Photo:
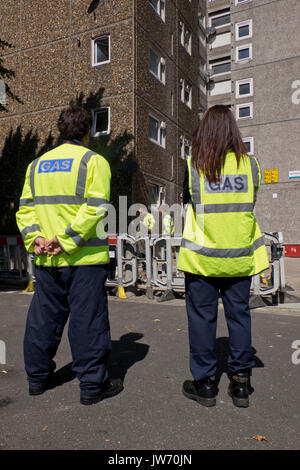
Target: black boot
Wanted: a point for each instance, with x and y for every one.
(238, 389)
(204, 391)
(110, 388)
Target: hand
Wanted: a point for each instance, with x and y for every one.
(39, 246)
(53, 247)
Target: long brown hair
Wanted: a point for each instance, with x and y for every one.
(216, 134)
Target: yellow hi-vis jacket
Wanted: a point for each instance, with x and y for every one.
(221, 237)
(167, 225)
(149, 221)
(62, 196)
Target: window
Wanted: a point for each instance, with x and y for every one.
(222, 65)
(159, 7)
(101, 125)
(244, 111)
(156, 194)
(157, 131)
(185, 90)
(157, 65)
(221, 18)
(240, 2)
(185, 37)
(244, 53)
(243, 30)
(101, 50)
(185, 147)
(244, 88)
(249, 142)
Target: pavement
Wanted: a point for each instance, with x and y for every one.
(150, 353)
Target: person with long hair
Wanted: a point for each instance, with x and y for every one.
(222, 248)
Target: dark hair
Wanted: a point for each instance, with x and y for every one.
(74, 122)
(216, 134)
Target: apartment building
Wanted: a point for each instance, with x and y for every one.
(135, 63)
(253, 50)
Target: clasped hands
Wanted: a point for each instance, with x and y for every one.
(44, 247)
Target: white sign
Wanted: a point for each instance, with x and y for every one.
(294, 174)
(2, 352)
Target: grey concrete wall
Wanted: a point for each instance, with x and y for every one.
(275, 125)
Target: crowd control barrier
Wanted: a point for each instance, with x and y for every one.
(159, 259)
(272, 281)
(149, 263)
(13, 259)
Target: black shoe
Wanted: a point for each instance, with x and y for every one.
(38, 389)
(110, 388)
(203, 391)
(238, 389)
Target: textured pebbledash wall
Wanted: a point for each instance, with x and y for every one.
(52, 60)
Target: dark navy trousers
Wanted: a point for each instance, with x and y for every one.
(76, 293)
(202, 295)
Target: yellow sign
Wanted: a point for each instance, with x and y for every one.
(271, 176)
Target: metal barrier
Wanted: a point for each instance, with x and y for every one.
(149, 262)
(13, 259)
(126, 260)
(274, 277)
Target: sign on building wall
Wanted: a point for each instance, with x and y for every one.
(294, 174)
(271, 176)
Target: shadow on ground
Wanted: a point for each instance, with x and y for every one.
(125, 353)
(222, 354)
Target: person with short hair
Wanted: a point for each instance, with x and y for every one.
(222, 248)
(59, 217)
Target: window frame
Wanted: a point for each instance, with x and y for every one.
(251, 142)
(237, 2)
(219, 16)
(183, 85)
(244, 105)
(184, 142)
(183, 29)
(94, 40)
(227, 61)
(242, 82)
(244, 46)
(161, 134)
(241, 24)
(101, 134)
(163, 79)
(158, 12)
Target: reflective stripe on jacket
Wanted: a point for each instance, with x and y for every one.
(62, 196)
(221, 235)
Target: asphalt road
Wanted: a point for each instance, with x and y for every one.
(150, 351)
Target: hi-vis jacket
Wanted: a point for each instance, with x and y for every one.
(167, 225)
(221, 236)
(61, 196)
(149, 221)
